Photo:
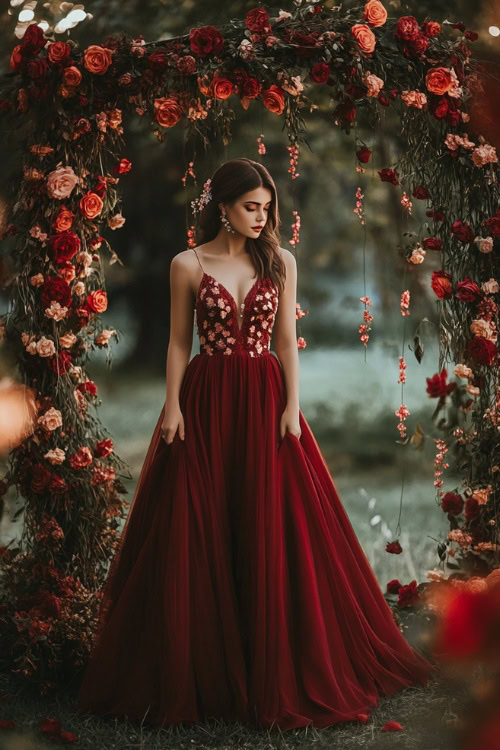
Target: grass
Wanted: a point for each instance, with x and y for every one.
(426, 714)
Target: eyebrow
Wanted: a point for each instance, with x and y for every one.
(257, 202)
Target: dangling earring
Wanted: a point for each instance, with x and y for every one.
(225, 221)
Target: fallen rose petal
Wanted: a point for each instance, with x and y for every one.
(7, 724)
(391, 726)
(67, 736)
(50, 726)
(362, 717)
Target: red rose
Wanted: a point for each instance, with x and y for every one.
(437, 385)
(90, 205)
(222, 88)
(420, 192)
(346, 112)
(57, 485)
(37, 68)
(408, 595)
(59, 364)
(304, 44)
(462, 231)
(393, 586)
(471, 508)
(320, 72)
(441, 284)
(394, 548)
(55, 289)
(207, 40)
(452, 503)
(431, 28)
(82, 315)
(168, 111)
(58, 53)
(123, 166)
(63, 219)
(257, 20)
(468, 290)
(407, 28)
(363, 154)
(440, 107)
(389, 175)
(39, 478)
(157, 60)
(103, 448)
(432, 243)
(186, 65)
(33, 40)
(383, 100)
(251, 88)
(416, 46)
(481, 350)
(274, 99)
(437, 215)
(97, 301)
(88, 387)
(471, 36)
(493, 224)
(63, 245)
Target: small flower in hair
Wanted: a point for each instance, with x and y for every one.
(198, 204)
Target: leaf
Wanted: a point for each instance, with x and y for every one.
(418, 437)
(419, 348)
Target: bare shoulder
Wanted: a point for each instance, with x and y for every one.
(183, 260)
(288, 258)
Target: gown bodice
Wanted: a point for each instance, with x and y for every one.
(221, 330)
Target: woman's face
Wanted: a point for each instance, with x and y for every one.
(250, 211)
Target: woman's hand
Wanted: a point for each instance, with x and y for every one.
(173, 420)
(290, 422)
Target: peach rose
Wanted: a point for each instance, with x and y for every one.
(104, 336)
(63, 219)
(374, 13)
(491, 286)
(45, 347)
(56, 311)
(67, 340)
(91, 205)
(37, 279)
(116, 221)
(463, 371)
(482, 494)
(51, 419)
(55, 456)
(61, 181)
(97, 59)
(41, 150)
(168, 111)
(72, 76)
(67, 272)
(80, 459)
(485, 244)
(439, 80)
(114, 117)
(222, 87)
(97, 301)
(274, 99)
(364, 36)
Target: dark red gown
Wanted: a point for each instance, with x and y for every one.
(240, 590)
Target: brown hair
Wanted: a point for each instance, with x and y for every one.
(231, 180)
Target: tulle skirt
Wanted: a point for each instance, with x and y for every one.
(240, 590)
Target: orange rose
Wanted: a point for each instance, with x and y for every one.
(72, 76)
(222, 87)
(274, 99)
(374, 13)
(58, 52)
(63, 219)
(438, 80)
(91, 205)
(364, 36)
(168, 111)
(97, 301)
(97, 59)
(16, 58)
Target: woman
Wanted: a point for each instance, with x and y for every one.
(240, 590)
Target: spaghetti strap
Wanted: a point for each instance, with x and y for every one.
(198, 259)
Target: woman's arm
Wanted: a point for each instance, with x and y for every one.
(181, 328)
(285, 334)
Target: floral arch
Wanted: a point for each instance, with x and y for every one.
(67, 105)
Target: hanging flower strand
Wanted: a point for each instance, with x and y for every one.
(402, 370)
(438, 462)
(295, 229)
(405, 302)
(261, 145)
(406, 203)
(359, 206)
(294, 160)
(191, 231)
(367, 317)
(402, 413)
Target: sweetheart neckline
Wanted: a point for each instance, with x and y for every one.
(233, 301)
